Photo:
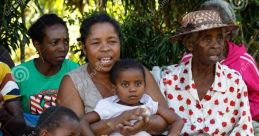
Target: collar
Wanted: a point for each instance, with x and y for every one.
(219, 84)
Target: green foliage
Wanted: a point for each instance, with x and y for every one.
(146, 24)
(13, 33)
(143, 42)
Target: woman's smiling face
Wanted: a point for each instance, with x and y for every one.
(102, 46)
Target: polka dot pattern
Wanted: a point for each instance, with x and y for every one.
(222, 111)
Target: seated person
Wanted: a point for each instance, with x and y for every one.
(39, 78)
(11, 115)
(235, 56)
(128, 78)
(210, 97)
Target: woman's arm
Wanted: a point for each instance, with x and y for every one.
(176, 123)
(69, 97)
(11, 117)
(156, 124)
(108, 126)
(92, 117)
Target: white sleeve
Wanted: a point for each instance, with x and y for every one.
(103, 109)
(150, 103)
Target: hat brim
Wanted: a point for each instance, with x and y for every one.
(179, 36)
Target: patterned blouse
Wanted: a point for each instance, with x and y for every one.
(224, 110)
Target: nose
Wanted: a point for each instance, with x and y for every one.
(63, 47)
(216, 43)
(132, 88)
(105, 47)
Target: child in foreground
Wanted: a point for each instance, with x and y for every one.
(58, 121)
(128, 78)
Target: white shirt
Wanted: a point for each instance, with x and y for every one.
(224, 110)
(109, 108)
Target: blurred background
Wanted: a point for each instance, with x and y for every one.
(146, 24)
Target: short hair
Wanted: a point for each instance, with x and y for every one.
(36, 31)
(225, 10)
(125, 64)
(98, 18)
(51, 117)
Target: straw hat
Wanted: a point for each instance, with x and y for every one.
(199, 21)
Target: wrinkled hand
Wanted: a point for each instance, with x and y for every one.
(126, 127)
(133, 129)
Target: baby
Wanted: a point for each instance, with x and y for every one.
(128, 78)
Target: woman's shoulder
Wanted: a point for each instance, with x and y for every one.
(232, 76)
(28, 63)
(78, 70)
(162, 72)
(25, 66)
(229, 71)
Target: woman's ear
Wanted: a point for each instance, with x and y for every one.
(36, 44)
(83, 48)
(188, 45)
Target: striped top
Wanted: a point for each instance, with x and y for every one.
(8, 87)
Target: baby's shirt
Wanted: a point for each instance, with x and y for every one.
(109, 108)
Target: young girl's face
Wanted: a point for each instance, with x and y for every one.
(68, 127)
(130, 86)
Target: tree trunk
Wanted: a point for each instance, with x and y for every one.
(22, 44)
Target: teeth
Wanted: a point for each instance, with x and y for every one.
(105, 60)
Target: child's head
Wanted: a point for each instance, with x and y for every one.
(58, 121)
(128, 76)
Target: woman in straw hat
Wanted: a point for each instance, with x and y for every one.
(236, 56)
(211, 98)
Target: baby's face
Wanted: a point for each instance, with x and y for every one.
(68, 127)
(130, 86)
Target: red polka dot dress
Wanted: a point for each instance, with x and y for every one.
(224, 110)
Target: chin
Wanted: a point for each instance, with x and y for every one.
(58, 63)
(105, 69)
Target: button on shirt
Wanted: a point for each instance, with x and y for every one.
(224, 110)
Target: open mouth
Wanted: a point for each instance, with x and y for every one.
(105, 61)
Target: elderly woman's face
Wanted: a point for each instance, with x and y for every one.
(55, 45)
(209, 47)
(102, 46)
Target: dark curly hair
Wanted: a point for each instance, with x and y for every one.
(36, 31)
(125, 64)
(98, 18)
(51, 117)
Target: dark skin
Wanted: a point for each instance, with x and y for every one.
(11, 117)
(131, 83)
(52, 52)
(102, 48)
(207, 50)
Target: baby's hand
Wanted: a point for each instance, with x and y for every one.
(147, 111)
